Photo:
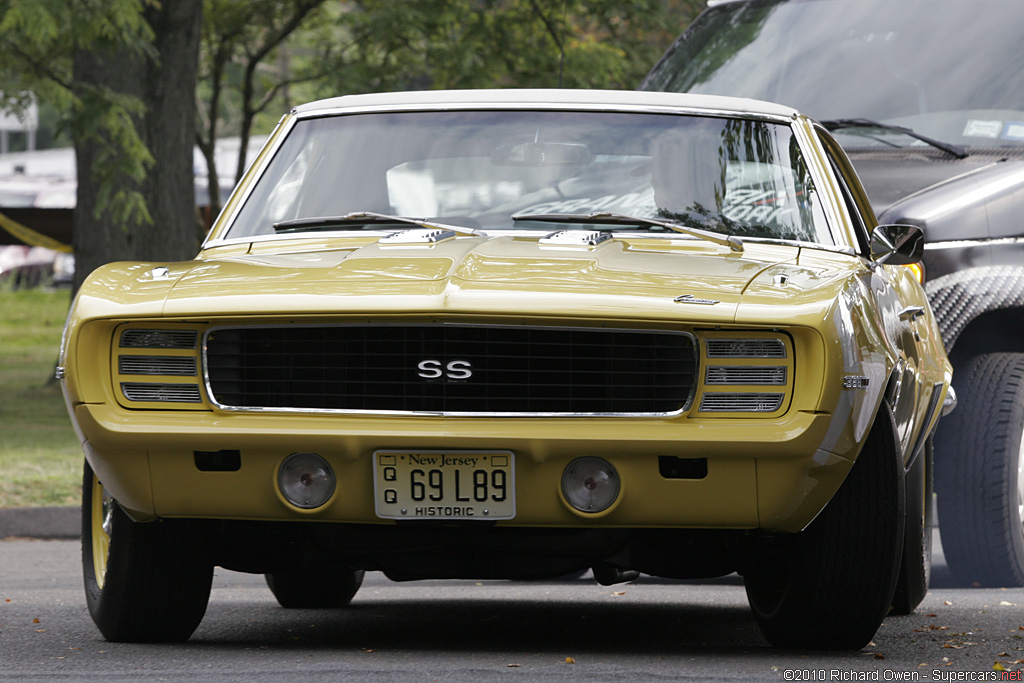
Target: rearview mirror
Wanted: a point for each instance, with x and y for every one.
(541, 154)
(897, 245)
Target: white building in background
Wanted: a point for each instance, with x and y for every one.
(26, 121)
(46, 179)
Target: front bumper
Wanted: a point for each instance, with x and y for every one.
(761, 474)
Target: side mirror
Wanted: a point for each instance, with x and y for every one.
(897, 245)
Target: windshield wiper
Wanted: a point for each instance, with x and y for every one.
(837, 124)
(360, 218)
(607, 218)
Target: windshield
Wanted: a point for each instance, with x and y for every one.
(478, 169)
(949, 69)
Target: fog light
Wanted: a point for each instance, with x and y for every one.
(590, 484)
(306, 480)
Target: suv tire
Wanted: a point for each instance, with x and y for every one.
(978, 473)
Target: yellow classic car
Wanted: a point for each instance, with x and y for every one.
(518, 334)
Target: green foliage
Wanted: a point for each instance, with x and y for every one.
(39, 41)
(381, 45)
(413, 44)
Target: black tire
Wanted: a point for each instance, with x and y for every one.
(835, 587)
(315, 588)
(144, 583)
(916, 568)
(978, 473)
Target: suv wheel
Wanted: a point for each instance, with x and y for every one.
(979, 473)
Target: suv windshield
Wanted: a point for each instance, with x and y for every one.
(947, 69)
(480, 169)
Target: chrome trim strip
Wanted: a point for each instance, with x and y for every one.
(922, 437)
(834, 248)
(176, 366)
(726, 347)
(331, 411)
(826, 184)
(745, 375)
(538, 105)
(740, 402)
(963, 244)
(143, 392)
(163, 338)
(370, 235)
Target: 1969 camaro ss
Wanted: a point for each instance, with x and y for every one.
(518, 334)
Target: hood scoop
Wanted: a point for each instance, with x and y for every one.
(576, 238)
(417, 236)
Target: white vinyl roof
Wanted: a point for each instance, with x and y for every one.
(613, 99)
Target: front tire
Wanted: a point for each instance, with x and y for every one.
(144, 583)
(979, 473)
(833, 589)
(916, 568)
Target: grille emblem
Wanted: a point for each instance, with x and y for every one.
(434, 369)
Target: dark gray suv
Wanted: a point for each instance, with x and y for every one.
(927, 98)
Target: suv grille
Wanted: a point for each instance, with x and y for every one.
(451, 368)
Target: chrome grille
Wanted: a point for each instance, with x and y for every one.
(181, 366)
(451, 369)
(158, 339)
(745, 374)
(741, 403)
(745, 348)
(161, 393)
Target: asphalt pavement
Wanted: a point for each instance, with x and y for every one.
(46, 522)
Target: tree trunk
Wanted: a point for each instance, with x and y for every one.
(166, 86)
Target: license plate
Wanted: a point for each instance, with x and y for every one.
(444, 484)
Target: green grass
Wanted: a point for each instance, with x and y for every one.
(40, 458)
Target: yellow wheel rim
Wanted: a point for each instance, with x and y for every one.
(102, 509)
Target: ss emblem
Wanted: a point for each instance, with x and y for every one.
(456, 369)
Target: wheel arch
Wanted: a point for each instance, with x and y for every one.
(992, 331)
(976, 308)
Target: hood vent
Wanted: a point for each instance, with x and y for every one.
(418, 236)
(576, 238)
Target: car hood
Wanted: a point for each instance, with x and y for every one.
(949, 198)
(499, 276)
